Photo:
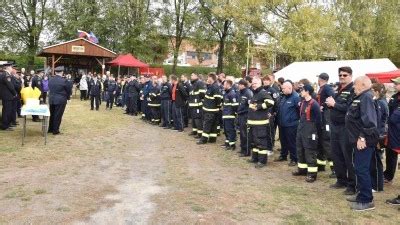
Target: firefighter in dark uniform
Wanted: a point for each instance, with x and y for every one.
(8, 95)
(308, 135)
(245, 95)
(324, 150)
(363, 136)
(111, 91)
(211, 110)
(341, 149)
(95, 92)
(273, 91)
(393, 136)
(17, 87)
(229, 109)
(155, 102)
(132, 94)
(60, 91)
(165, 97)
(258, 121)
(196, 97)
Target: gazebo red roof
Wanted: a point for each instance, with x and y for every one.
(385, 77)
(127, 60)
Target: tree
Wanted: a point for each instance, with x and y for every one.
(23, 23)
(177, 22)
(216, 13)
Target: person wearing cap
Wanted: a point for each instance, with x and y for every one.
(36, 83)
(308, 135)
(393, 133)
(342, 153)
(110, 92)
(245, 95)
(8, 95)
(363, 136)
(59, 93)
(17, 100)
(95, 92)
(132, 95)
(324, 151)
(179, 96)
(393, 138)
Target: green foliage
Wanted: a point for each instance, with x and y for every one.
(21, 60)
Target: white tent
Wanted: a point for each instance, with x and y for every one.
(310, 70)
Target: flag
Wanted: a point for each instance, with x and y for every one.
(89, 36)
(93, 38)
(82, 34)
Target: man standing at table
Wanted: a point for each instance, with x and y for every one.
(60, 92)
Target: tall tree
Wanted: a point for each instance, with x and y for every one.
(177, 21)
(216, 14)
(23, 23)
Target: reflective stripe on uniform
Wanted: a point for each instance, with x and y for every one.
(205, 135)
(257, 122)
(213, 135)
(320, 162)
(330, 163)
(270, 101)
(210, 110)
(255, 150)
(218, 96)
(209, 97)
(312, 169)
(194, 129)
(228, 117)
(232, 143)
(265, 152)
(154, 105)
(302, 165)
(199, 131)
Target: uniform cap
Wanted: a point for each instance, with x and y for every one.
(59, 69)
(324, 76)
(243, 82)
(396, 80)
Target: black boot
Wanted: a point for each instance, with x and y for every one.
(193, 133)
(202, 141)
(311, 177)
(212, 140)
(300, 172)
(321, 168)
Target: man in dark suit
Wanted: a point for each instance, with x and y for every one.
(7, 94)
(95, 92)
(60, 92)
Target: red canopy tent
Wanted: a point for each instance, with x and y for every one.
(385, 77)
(127, 60)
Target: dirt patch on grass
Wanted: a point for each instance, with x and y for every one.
(109, 168)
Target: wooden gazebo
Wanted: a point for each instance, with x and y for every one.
(79, 53)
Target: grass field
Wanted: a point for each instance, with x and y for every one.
(108, 168)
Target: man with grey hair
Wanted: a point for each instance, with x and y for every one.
(363, 136)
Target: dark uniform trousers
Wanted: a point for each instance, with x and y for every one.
(94, 100)
(210, 124)
(14, 111)
(362, 165)
(166, 113)
(376, 170)
(287, 136)
(197, 121)
(324, 149)
(391, 164)
(155, 113)
(342, 156)
(177, 115)
(261, 142)
(230, 132)
(56, 113)
(110, 100)
(307, 148)
(7, 113)
(132, 104)
(244, 135)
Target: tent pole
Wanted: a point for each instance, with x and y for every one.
(128, 71)
(118, 69)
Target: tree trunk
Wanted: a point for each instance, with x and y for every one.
(175, 61)
(221, 50)
(31, 53)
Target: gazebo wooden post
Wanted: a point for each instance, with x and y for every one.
(103, 66)
(53, 58)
